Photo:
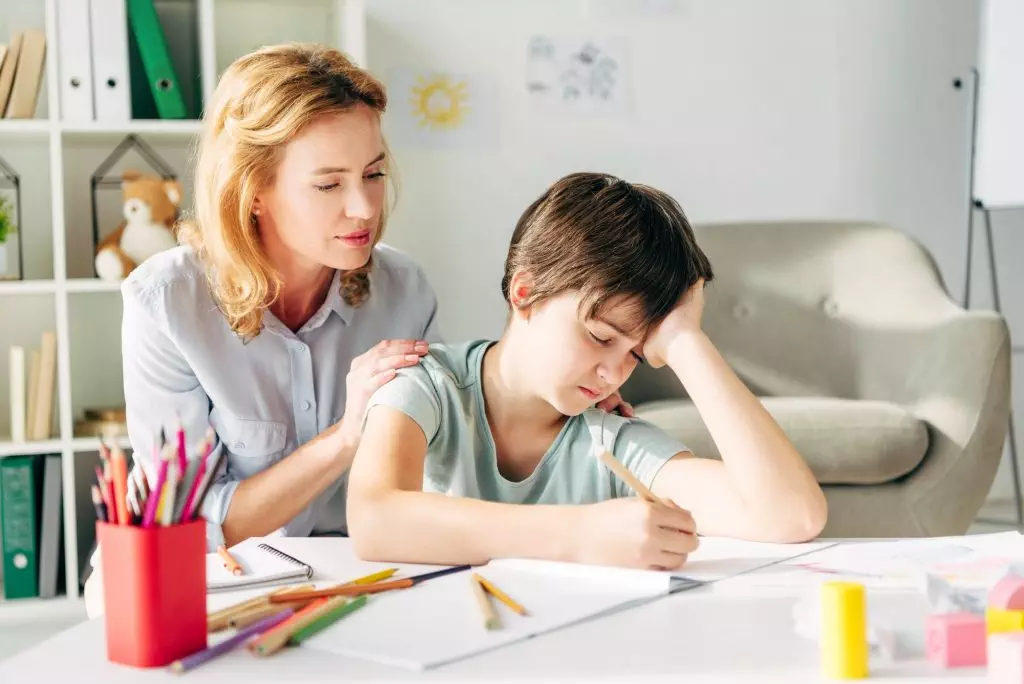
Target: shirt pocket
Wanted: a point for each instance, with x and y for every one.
(253, 445)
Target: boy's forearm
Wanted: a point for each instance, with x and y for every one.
(423, 527)
(764, 467)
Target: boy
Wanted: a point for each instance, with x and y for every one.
(601, 275)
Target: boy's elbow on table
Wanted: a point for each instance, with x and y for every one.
(806, 518)
(368, 528)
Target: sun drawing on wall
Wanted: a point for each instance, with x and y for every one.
(439, 102)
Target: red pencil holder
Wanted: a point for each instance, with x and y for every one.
(154, 591)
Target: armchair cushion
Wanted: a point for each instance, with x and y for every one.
(844, 441)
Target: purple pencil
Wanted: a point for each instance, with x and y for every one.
(197, 659)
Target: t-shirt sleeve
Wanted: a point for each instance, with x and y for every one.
(413, 393)
(643, 449)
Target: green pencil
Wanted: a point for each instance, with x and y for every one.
(327, 619)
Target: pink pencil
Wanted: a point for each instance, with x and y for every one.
(182, 455)
(188, 514)
(154, 497)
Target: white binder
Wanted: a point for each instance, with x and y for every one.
(111, 83)
(75, 65)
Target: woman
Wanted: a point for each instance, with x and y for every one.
(280, 291)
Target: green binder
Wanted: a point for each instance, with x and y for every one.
(20, 482)
(156, 60)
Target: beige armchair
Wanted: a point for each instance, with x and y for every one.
(896, 396)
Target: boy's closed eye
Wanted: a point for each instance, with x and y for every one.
(604, 339)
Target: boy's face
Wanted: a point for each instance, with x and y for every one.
(574, 362)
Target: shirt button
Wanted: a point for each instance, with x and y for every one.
(239, 445)
(306, 405)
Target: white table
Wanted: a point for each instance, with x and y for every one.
(701, 635)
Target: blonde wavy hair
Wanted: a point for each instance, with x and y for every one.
(262, 102)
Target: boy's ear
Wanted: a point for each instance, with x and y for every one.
(520, 289)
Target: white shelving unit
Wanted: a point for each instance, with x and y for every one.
(58, 292)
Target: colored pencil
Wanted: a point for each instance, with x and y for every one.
(220, 619)
(491, 620)
(119, 474)
(273, 641)
(189, 512)
(108, 504)
(374, 577)
(230, 564)
(257, 613)
(204, 487)
(416, 579)
(97, 502)
(499, 594)
(182, 455)
(346, 590)
(327, 619)
(113, 512)
(165, 512)
(197, 659)
(631, 481)
(154, 496)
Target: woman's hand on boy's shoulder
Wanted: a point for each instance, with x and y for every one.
(682, 320)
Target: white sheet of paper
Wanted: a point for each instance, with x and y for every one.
(579, 75)
(439, 109)
(438, 622)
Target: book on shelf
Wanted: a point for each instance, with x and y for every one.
(31, 403)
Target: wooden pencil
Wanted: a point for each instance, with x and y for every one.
(623, 474)
(499, 594)
(230, 564)
(491, 620)
(347, 590)
(220, 619)
(197, 659)
(274, 640)
(327, 619)
(255, 614)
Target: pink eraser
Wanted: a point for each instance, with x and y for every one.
(1007, 594)
(956, 639)
(1006, 658)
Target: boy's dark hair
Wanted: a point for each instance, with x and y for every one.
(608, 240)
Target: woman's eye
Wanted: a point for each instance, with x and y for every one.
(326, 188)
(376, 174)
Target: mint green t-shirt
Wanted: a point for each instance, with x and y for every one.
(444, 395)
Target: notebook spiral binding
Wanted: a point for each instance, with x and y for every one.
(291, 559)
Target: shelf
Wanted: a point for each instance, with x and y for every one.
(162, 127)
(92, 285)
(93, 443)
(46, 446)
(27, 286)
(15, 612)
(25, 126)
(51, 286)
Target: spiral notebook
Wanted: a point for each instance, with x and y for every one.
(264, 566)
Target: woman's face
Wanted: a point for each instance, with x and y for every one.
(324, 204)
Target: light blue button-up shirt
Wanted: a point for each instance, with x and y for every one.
(266, 397)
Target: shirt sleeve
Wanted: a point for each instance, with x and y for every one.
(643, 449)
(412, 392)
(160, 388)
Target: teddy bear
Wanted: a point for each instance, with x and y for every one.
(150, 212)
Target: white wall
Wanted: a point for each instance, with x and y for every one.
(743, 109)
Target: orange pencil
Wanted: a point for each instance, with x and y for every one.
(230, 564)
(345, 590)
(499, 594)
(119, 473)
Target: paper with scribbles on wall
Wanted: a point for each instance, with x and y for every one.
(579, 75)
(435, 108)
